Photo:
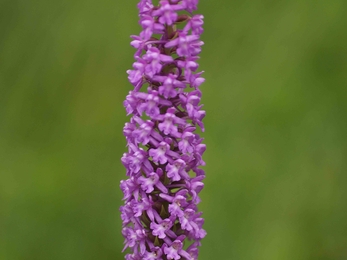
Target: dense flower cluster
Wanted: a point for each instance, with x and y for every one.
(160, 215)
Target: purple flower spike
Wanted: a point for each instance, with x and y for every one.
(160, 215)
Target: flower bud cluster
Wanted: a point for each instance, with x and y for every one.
(160, 215)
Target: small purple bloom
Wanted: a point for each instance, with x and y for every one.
(169, 85)
(186, 142)
(187, 45)
(147, 184)
(172, 252)
(151, 105)
(190, 5)
(176, 171)
(159, 154)
(160, 229)
(155, 254)
(175, 208)
(155, 61)
(164, 158)
(143, 133)
(140, 206)
(127, 213)
(169, 122)
(166, 13)
(195, 24)
(150, 27)
(130, 103)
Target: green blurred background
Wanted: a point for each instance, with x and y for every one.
(275, 97)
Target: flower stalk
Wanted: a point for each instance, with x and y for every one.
(160, 216)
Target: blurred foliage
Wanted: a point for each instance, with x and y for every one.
(276, 125)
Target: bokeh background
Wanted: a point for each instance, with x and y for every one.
(276, 102)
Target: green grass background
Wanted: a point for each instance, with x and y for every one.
(276, 102)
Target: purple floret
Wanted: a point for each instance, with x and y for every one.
(161, 220)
